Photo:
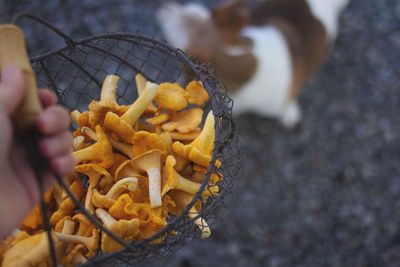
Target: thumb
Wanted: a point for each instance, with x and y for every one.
(12, 89)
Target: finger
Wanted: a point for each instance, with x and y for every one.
(62, 165)
(56, 145)
(47, 98)
(53, 120)
(12, 89)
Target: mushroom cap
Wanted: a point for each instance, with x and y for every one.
(128, 230)
(144, 141)
(184, 121)
(125, 169)
(113, 123)
(30, 251)
(185, 136)
(85, 226)
(147, 160)
(158, 119)
(101, 201)
(93, 171)
(196, 94)
(119, 210)
(118, 160)
(171, 96)
(100, 152)
(200, 150)
(69, 257)
(33, 220)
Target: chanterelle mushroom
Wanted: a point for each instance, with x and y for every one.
(196, 93)
(142, 102)
(173, 180)
(150, 162)
(30, 251)
(98, 109)
(182, 199)
(113, 123)
(171, 96)
(91, 243)
(128, 230)
(200, 150)
(100, 152)
(94, 172)
(106, 201)
(184, 121)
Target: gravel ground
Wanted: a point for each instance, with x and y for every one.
(325, 194)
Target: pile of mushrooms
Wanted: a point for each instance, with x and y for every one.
(136, 166)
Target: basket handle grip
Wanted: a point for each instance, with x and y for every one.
(13, 52)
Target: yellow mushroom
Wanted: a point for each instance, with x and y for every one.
(100, 152)
(107, 200)
(124, 148)
(113, 123)
(85, 226)
(173, 180)
(61, 223)
(33, 220)
(118, 160)
(79, 143)
(177, 136)
(30, 251)
(94, 173)
(132, 115)
(158, 119)
(150, 162)
(75, 256)
(67, 207)
(200, 150)
(141, 86)
(196, 94)
(107, 102)
(127, 230)
(166, 138)
(119, 210)
(184, 121)
(171, 96)
(125, 169)
(91, 243)
(144, 141)
(81, 119)
(182, 199)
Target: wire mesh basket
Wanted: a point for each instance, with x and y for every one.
(75, 71)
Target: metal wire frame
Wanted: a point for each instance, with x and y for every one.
(74, 72)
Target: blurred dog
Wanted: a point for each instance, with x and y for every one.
(264, 56)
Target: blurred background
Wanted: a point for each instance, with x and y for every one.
(324, 194)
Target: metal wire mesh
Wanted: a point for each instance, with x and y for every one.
(75, 72)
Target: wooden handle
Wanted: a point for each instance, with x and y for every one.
(13, 52)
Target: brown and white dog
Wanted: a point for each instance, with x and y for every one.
(265, 56)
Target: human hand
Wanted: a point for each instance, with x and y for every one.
(18, 189)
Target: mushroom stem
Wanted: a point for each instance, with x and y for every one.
(154, 175)
(200, 222)
(129, 183)
(121, 147)
(87, 241)
(109, 90)
(79, 259)
(141, 103)
(75, 115)
(87, 153)
(105, 217)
